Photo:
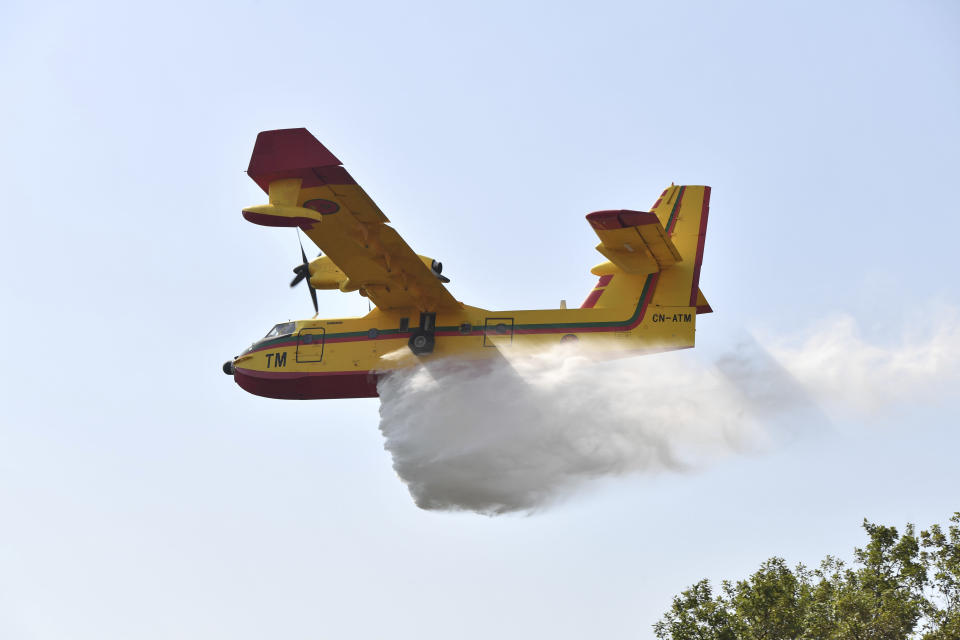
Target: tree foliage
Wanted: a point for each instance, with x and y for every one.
(899, 586)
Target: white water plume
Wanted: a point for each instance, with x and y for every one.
(845, 371)
(520, 433)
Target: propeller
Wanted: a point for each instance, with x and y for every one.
(437, 267)
(302, 272)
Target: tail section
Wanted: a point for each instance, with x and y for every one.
(684, 211)
(663, 247)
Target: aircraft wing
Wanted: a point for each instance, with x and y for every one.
(309, 188)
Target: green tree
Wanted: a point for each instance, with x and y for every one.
(942, 556)
(696, 615)
(900, 586)
(770, 605)
(820, 616)
(883, 598)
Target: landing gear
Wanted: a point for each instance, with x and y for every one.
(422, 338)
(421, 342)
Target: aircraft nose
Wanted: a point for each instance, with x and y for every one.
(228, 367)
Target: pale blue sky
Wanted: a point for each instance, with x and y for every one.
(143, 494)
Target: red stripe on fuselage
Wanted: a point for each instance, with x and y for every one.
(594, 296)
(592, 299)
(562, 328)
(675, 211)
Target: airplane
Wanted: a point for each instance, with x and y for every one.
(646, 300)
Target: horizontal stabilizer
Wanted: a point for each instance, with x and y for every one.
(635, 241)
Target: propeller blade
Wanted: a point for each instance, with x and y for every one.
(313, 296)
(303, 272)
(299, 270)
(303, 253)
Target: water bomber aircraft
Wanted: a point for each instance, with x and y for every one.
(646, 300)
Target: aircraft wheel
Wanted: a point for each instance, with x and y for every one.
(421, 342)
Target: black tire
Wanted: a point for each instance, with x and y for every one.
(421, 342)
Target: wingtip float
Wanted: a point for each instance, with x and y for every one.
(647, 297)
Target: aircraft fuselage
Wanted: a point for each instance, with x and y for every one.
(342, 358)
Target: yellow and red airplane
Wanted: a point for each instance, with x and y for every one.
(647, 297)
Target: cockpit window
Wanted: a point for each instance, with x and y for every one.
(282, 329)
